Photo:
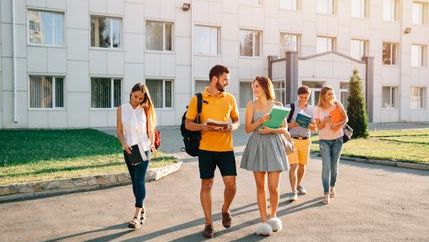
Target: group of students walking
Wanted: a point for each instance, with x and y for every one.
(264, 154)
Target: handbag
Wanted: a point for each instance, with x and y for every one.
(135, 157)
(289, 148)
(348, 132)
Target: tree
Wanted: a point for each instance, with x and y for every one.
(356, 110)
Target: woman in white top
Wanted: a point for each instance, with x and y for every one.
(136, 123)
(330, 118)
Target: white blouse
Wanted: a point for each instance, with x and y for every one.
(134, 126)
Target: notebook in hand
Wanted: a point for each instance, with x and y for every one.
(303, 120)
(336, 115)
(217, 123)
(135, 157)
(277, 116)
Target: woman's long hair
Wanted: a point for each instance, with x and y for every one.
(323, 92)
(267, 86)
(147, 103)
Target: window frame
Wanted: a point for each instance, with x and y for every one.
(219, 41)
(365, 9)
(333, 43)
(365, 47)
(297, 4)
(334, 8)
(344, 90)
(254, 31)
(395, 11)
(249, 83)
(54, 95)
(422, 98)
(424, 13)
(298, 42)
(392, 97)
(121, 43)
(395, 59)
(163, 92)
(29, 43)
(163, 36)
(112, 92)
(422, 57)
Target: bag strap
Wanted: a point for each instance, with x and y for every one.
(292, 110)
(199, 106)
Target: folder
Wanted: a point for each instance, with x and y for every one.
(336, 115)
(277, 116)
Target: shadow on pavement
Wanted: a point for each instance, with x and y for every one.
(104, 238)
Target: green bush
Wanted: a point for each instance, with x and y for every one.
(356, 111)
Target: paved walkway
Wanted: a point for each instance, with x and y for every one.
(374, 203)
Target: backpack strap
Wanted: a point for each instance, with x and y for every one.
(292, 110)
(199, 106)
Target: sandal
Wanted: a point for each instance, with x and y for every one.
(326, 199)
(135, 223)
(143, 216)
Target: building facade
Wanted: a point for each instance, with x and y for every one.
(69, 63)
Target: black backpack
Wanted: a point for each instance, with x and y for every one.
(191, 139)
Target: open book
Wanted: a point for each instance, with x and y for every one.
(303, 120)
(217, 123)
(277, 116)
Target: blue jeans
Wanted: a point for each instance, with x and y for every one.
(331, 152)
(138, 176)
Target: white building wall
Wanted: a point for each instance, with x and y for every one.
(77, 61)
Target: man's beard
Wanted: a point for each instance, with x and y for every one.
(219, 87)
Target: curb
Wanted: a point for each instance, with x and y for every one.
(34, 190)
(384, 162)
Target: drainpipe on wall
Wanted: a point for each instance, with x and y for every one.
(192, 51)
(14, 62)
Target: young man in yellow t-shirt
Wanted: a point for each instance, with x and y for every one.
(216, 147)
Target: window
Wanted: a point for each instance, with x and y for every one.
(105, 32)
(206, 40)
(325, 44)
(389, 53)
(390, 10)
(200, 85)
(418, 55)
(389, 97)
(246, 93)
(316, 88)
(418, 97)
(344, 94)
(289, 4)
(359, 8)
(250, 43)
(159, 36)
(288, 42)
(419, 13)
(258, 2)
(280, 91)
(105, 92)
(325, 6)
(161, 92)
(46, 92)
(358, 48)
(46, 28)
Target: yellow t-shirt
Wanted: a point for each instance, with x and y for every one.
(222, 108)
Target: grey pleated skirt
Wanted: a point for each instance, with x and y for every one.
(264, 152)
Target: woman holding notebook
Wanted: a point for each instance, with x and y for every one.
(330, 118)
(136, 121)
(264, 154)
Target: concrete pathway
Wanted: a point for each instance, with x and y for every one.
(374, 203)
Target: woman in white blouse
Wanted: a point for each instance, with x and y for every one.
(136, 121)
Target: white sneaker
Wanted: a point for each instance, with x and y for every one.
(264, 229)
(301, 190)
(276, 224)
(293, 197)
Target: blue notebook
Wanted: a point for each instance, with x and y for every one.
(277, 116)
(303, 120)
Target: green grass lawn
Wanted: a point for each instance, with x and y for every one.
(395, 145)
(37, 155)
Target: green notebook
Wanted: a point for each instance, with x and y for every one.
(277, 116)
(303, 120)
